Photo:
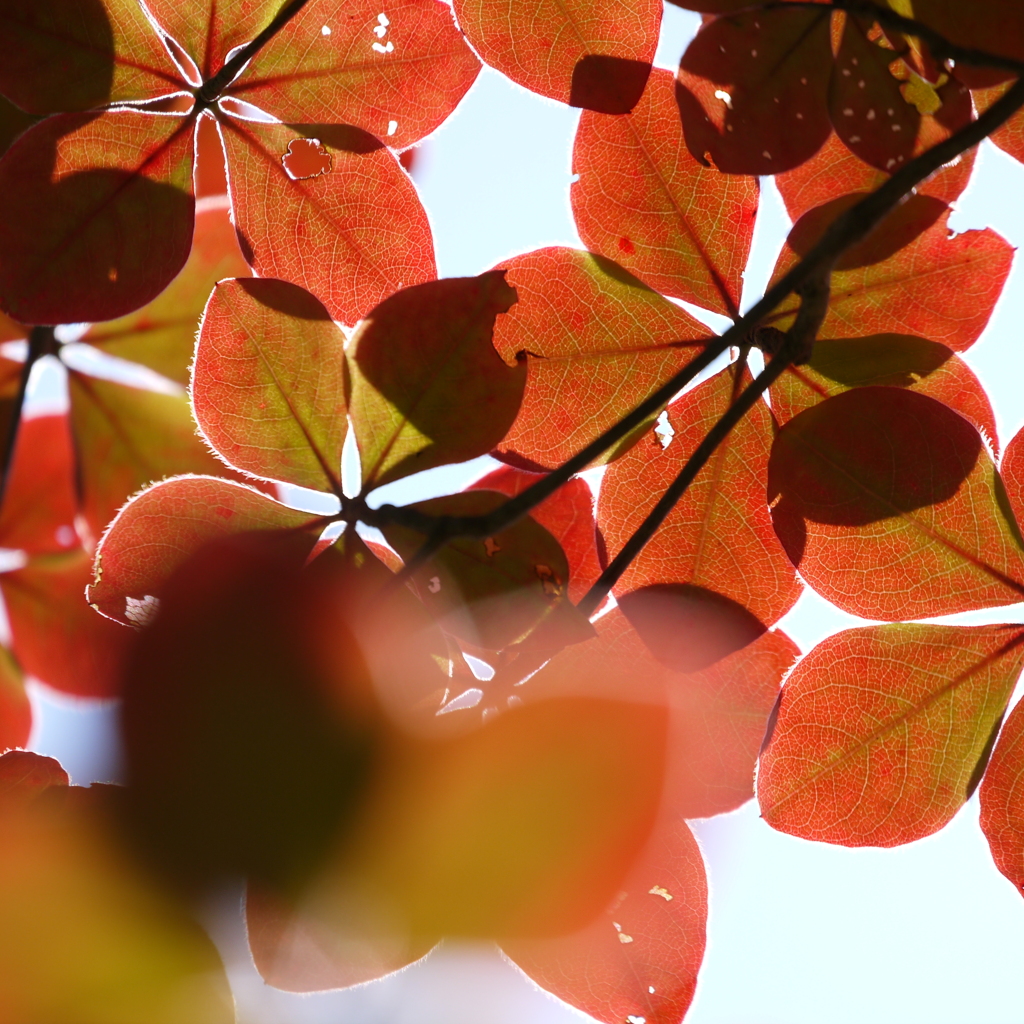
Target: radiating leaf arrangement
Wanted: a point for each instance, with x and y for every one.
(487, 714)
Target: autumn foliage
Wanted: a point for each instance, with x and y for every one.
(488, 714)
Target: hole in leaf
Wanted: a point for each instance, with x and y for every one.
(306, 158)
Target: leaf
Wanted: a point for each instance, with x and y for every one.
(1009, 137)
(25, 776)
(268, 385)
(639, 959)
(65, 55)
(752, 90)
(568, 515)
(490, 592)
(428, 387)
(56, 636)
(718, 716)
(1002, 816)
(597, 340)
(126, 438)
(15, 715)
(889, 506)
(891, 360)
(834, 170)
(13, 121)
(719, 537)
(351, 231)
(643, 200)
(868, 109)
(397, 76)
(880, 728)
(938, 287)
(164, 525)
(162, 335)
(995, 26)
(298, 952)
(595, 55)
(81, 199)
(1012, 475)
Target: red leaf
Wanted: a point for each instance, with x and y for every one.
(62, 55)
(938, 287)
(600, 340)
(995, 26)
(880, 730)
(57, 637)
(889, 505)
(268, 387)
(752, 90)
(25, 775)
(568, 515)
(162, 335)
(397, 76)
(1010, 136)
(1002, 810)
(719, 536)
(81, 199)
(427, 386)
(15, 726)
(163, 526)
(893, 360)
(642, 200)
(1012, 474)
(351, 235)
(639, 959)
(595, 55)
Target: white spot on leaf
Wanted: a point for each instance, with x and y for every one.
(141, 612)
(660, 890)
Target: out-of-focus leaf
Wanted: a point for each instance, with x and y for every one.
(160, 528)
(889, 505)
(56, 636)
(397, 75)
(86, 936)
(595, 55)
(62, 55)
(15, 715)
(639, 959)
(211, 177)
(892, 360)
(126, 438)
(867, 108)
(642, 200)
(349, 227)
(1002, 807)
(495, 591)
(938, 287)
(162, 335)
(598, 341)
(24, 776)
(880, 729)
(752, 90)
(834, 170)
(719, 536)
(13, 121)
(299, 952)
(268, 388)
(82, 197)
(428, 387)
(568, 515)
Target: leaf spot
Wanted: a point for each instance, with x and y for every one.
(766, 155)
(636, 1019)
(306, 158)
(491, 546)
(112, 274)
(551, 583)
(625, 939)
(380, 48)
(392, 127)
(871, 114)
(660, 890)
(325, 30)
(627, 246)
(434, 586)
(650, 989)
(721, 94)
(141, 612)
(663, 430)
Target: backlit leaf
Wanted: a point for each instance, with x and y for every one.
(996, 26)
(15, 712)
(938, 287)
(1002, 810)
(162, 335)
(396, 75)
(752, 90)
(892, 360)
(595, 55)
(880, 729)
(81, 200)
(268, 385)
(1010, 136)
(349, 227)
(428, 387)
(62, 55)
(597, 340)
(1011, 471)
(25, 775)
(639, 959)
(642, 200)
(889, 505)
(160, 528)
(719, 536)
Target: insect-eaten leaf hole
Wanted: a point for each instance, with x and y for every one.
(306, 158)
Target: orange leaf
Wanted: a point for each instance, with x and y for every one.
(1002, 809)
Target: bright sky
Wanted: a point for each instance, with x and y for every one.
(799, 933)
